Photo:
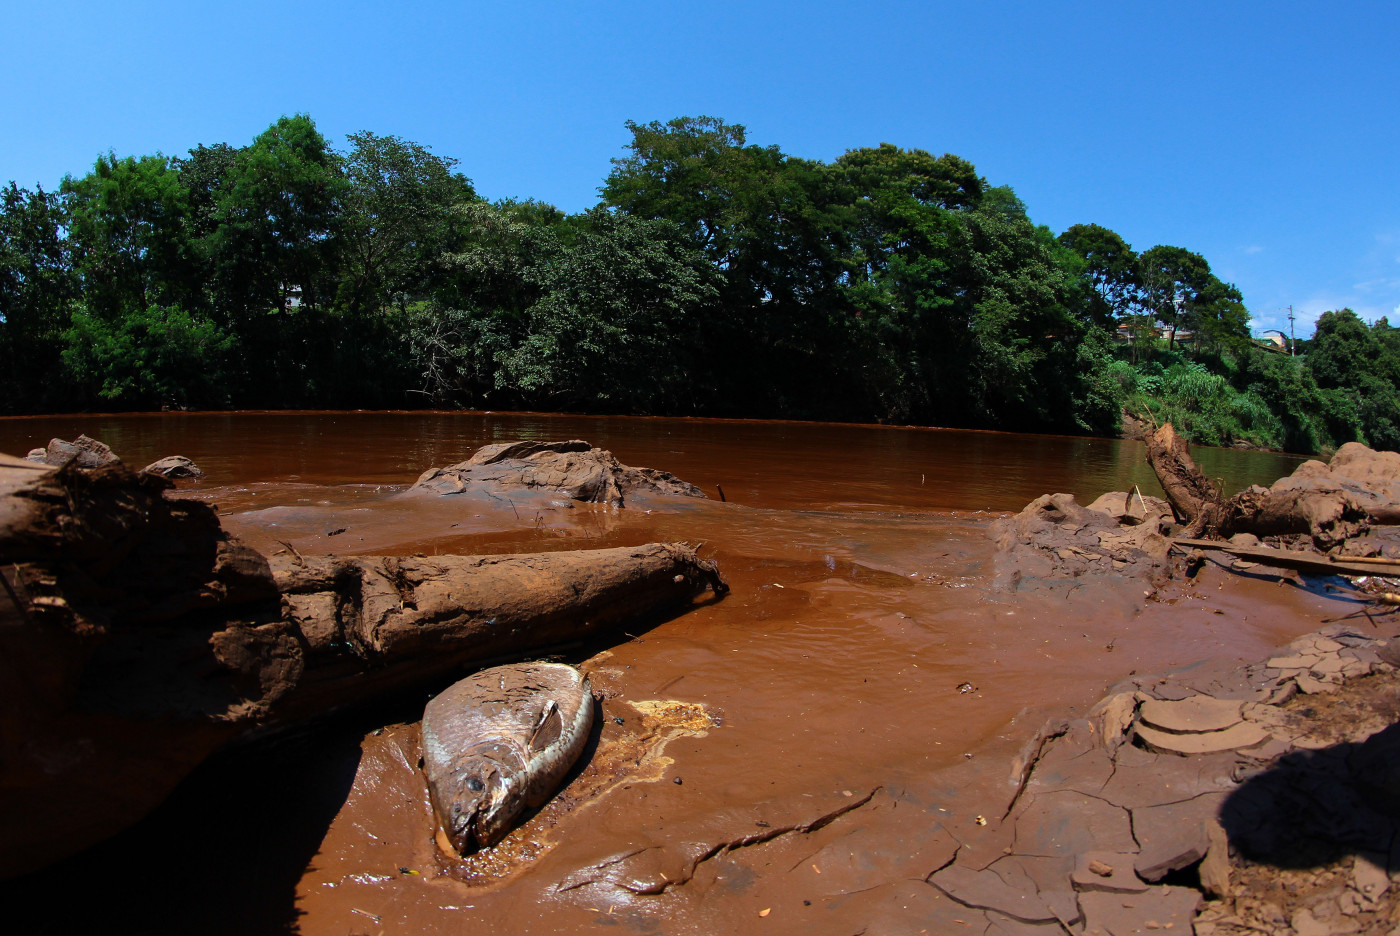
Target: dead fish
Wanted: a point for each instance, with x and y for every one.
(500, 741)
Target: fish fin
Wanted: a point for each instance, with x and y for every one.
(549, 729)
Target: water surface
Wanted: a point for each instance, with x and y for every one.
(864, 651)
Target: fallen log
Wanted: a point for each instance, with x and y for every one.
(137, 637)
(375, 624)
(1311, 563)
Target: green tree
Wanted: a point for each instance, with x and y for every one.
(37, 288)
(1179, 290)
(1171, 278)
(1359, 373)
(1111, 266)
(276, 211)
(619, 314)
(763, 220)
(398, 219)
(148, 358)
(947, 181)
(128, 232)
(204, 174)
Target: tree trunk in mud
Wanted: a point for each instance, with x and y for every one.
(1331, 505)
(136, 637)
(378, 623)
(1193, 497)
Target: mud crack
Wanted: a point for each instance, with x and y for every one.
(757, 838)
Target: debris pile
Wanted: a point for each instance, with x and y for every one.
(1056, 538)
(1340, 506)
(1343, 512)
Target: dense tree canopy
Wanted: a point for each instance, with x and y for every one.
(716, 276)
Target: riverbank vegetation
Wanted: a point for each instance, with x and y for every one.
(715, 277)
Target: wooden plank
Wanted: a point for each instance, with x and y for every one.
(1290, 559)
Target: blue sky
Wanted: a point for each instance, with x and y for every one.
(1263, 135)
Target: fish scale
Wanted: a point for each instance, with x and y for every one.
(489, 751)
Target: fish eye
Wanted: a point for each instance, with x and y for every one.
(474, 784)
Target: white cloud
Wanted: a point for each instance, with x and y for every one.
(1375, 294)
(1254, 249)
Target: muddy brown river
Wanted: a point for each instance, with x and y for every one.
(796, 757)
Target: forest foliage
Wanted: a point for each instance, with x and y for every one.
(715, 277)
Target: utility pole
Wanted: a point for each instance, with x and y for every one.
(1292, 339)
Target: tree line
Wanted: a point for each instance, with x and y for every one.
(714, 277)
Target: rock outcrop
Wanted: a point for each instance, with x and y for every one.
(85, 452)
(138, 637)
(574, 469)
(173, 467)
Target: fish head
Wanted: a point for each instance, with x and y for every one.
(479, 805)
(498, 807)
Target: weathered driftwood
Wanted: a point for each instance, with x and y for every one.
(1312, 563)
(136, 637)
(1192, 495)
(1332, 503)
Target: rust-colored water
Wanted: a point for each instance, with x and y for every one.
(862, 656)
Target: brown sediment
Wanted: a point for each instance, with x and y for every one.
(140, 636)
(1260, 795)
(829, 670)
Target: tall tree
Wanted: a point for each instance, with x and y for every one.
(621, 313)
(398, 213)
(128, 232)
(37, 290)
(1170, 278)
(277, 208)
(204, 174)
(1358, 369)
(762, 219)
(1111, 266)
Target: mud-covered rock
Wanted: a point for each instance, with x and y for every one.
(1056, 538)
(174, 467)
(82, 451)
(574, 469)
(1331, 503)
(1310, 816)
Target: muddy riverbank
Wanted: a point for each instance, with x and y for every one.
(838, 723)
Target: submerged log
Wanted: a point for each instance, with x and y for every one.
(137, 637)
